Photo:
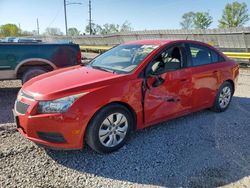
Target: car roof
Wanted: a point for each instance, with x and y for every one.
(161, 42)
(151, 42)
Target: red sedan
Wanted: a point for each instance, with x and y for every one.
(131, 86)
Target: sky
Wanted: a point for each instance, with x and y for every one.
(142, 14)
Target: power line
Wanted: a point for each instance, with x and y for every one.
(53, 20)
(65, 13)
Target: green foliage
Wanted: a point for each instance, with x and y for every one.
(198, 20)
(202, 20)
(234, 15)
(96, 29)
(8, 30)
(108, 28)
(187, 20)
(73, 31)
(126, 26)
(53, 31)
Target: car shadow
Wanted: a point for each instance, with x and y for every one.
(7, 101)
(203, 149)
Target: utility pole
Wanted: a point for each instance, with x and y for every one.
(37, 26)
(90, 18)
(65, 17)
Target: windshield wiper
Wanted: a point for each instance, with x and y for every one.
(102, 68)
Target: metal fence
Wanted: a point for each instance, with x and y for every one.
(232, 39)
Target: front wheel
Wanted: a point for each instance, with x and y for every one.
(223, 97)
(109, 129)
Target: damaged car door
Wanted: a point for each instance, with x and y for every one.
(168, 85)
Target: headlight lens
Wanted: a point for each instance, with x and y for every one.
(58, 105)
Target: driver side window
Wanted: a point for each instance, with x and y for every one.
(168, 60)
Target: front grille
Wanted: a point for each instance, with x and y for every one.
(21, 107)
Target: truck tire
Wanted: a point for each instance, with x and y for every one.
(31, 73)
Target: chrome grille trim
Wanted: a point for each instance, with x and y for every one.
(25, 95)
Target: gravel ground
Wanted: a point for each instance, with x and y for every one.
(203, 149)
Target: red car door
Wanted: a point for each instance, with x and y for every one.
(169, 88)
(205, 74)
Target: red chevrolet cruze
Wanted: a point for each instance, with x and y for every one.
(131, 86)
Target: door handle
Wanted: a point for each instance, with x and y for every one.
(173, 100)
(184, 80)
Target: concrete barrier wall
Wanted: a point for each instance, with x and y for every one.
(233, 39)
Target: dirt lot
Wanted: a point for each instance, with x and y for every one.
(203, 149)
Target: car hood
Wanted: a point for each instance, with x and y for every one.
(69, 81)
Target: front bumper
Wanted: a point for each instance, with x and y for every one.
(61, 131)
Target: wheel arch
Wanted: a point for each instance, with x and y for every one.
(34, 62)
(232, 83)
(130, 109)
(124, 104)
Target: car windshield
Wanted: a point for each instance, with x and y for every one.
(123, 58)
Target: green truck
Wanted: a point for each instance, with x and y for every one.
(27, 60)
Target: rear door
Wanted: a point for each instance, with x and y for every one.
(205, 74)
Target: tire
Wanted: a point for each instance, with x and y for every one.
(109, 129)
(31, 73)
(223, 97)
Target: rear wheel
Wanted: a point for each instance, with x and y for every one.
(32, 72)
(109, 129)
(223, 97)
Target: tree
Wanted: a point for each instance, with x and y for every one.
(96, 29)
(9, 30)
(188, 20)
(202, 20)
(234, 15)
(26, 33)
(73, 31)
(110, 28)
(53, 31)
(126, 26)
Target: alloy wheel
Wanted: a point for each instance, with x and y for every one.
(113, 130)
(225, 97)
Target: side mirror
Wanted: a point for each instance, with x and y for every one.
(157, 67)
(158, 81)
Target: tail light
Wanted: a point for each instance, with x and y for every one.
(79, 57)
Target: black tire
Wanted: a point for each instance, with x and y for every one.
(95, 125)
(218, 107)
(32, 72)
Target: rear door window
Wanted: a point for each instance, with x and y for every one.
(201, 55)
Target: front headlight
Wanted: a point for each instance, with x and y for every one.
(58, 105)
